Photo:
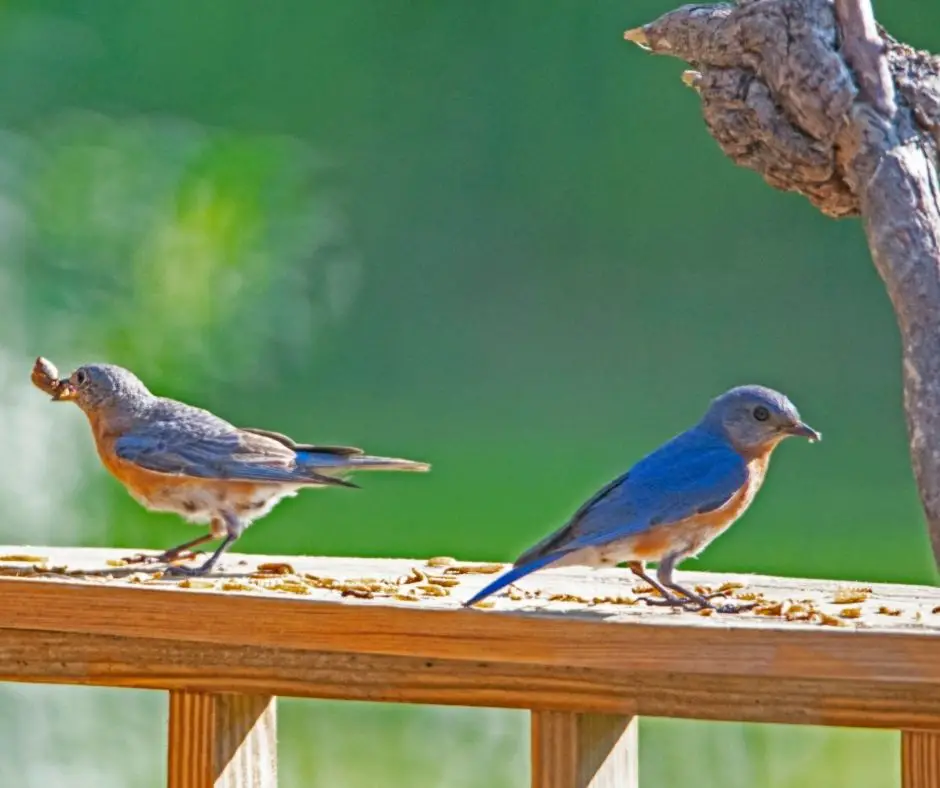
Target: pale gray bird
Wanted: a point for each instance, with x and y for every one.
(173, 457)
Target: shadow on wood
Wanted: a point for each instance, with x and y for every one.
(222, 740)
(584, 750)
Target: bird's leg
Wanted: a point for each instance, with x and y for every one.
(233, 529)
(217, 531)
(206, 567)
(664, 573)
(668, 598)
(666, 582)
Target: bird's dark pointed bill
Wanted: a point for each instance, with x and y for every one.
(805, 431)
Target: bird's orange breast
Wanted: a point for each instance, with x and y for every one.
(694, 533)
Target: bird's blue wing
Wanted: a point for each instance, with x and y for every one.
(694, 472)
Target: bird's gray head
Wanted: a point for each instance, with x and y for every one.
(96, 386)
(755, 417)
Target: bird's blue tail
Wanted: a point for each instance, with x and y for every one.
(326, 461)
(513, 575)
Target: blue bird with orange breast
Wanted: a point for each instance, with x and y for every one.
(675, 501)
(173, 457)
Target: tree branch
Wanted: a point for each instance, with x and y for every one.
(864, 52)
(825, 104)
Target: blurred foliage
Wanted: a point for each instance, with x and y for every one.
(488, 235)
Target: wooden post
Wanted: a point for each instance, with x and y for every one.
(920, 759)
(222, 740)
(583, 750)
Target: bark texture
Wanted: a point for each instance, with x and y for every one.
(819, 100)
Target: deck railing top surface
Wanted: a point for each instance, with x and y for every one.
(393, 629)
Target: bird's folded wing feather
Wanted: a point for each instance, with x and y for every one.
(216, 453)
(313, 448)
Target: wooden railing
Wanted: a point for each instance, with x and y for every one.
(572, 647)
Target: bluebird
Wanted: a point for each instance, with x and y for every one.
(675, 501)
(174, 457)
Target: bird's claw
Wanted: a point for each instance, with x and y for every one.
(715, 595)
(666, 601)
(702, 603)
(160, 558)
(142, 558)
(731, 608)
(178, 570)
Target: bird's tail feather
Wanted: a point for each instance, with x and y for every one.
(513, 575)
(326, 463)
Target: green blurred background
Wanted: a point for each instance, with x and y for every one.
(490, 235)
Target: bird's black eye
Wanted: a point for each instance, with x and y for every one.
(81, 377)
(761, 413)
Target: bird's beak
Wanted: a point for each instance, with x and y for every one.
(802, 430)
(64, 392)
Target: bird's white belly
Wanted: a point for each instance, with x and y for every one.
(201, 505)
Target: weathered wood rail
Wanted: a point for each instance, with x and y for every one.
(572, 646)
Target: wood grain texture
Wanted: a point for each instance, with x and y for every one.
(30, 656)
(920, 759)
(221, 740)
(530, 652)
(584, 750)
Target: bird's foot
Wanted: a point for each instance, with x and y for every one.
(178, 570)
(160, 558)
(732, 608)
(697, 602)
(666, 601)
(727, 608)
(141, 558)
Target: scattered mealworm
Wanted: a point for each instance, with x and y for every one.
(196, 583)
(482, 569)
(566, 598)
(432, 590)
(359, 593)
(446, 582)
(414, 576)
(614, 600)
(773, 609)
(278, 568)
(291, 586)
(851, 596)
(237, 585)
